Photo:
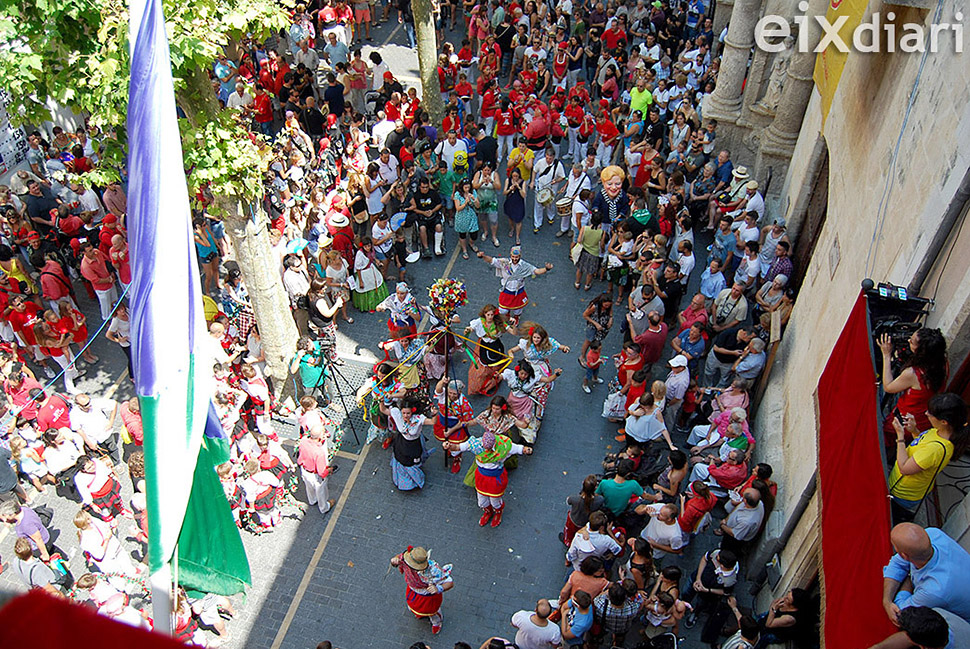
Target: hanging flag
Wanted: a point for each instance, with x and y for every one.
(831, 61)
(173, 378)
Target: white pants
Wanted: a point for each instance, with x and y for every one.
(106, 300)
(540, 211)
(489, 129)
(70, 372)
(572, 77)
(566, 222)
(574, 150)
(488, 501)
(698, 436)
(317, 492)
(604, 154)
(505, 145)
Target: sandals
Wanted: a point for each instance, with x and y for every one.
(587, 287)
(495, 243)
(576, 285)
(464, 255)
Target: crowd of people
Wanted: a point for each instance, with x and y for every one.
(589, 115)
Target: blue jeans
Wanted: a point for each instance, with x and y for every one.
(409, 30)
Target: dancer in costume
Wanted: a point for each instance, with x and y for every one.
(407, 444)
(491, 478)
(500, 419)
(536, 348)
(407, 352)
(513, 272)
(369, 287)
(426, 580)
(384, 391)
(436, 358)
(523, 384)
(454, 413)
(483, 374)
(99, 490)
(403, 310)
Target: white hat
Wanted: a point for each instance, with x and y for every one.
(678, 361)
(741, 173)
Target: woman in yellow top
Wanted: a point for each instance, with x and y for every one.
(918, 463)
(12, 266)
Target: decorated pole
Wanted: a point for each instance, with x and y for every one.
(446, 296)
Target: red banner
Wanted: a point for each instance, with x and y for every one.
(853, 492)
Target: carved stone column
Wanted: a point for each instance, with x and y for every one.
(725, 104)
(722, 14)
(780, 137)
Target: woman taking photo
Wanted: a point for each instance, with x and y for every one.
(919, 462)
(466, 218)
(322, 316)
(488, 184)
(515, 203)
(599, 319)
(923, 375)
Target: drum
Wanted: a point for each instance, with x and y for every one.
(544, 196)
(564, 206)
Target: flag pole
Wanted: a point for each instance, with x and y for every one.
(163, 605)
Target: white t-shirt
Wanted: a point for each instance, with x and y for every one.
(380, 132)
(122, 328)
(756, 204)
(686, 263)
(236, 101)
(377, 232)
(89, 203)
(533, 56)
(543, 175)
(531, 636)
(446, 151)
(662, 533)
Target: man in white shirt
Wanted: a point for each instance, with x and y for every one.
(678, 382)
(592, 541)
(94, 421)
(535, 53)
(387, 166)
(89, 202)
(581, 213)
(535, 631)
(663, 532)
(576, 182)
(240, 100)
(448, 147)
(309, 58)
(381, 130)
(685, 260)
(650, 50)
(547, 174)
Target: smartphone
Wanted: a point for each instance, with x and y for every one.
(899, 417)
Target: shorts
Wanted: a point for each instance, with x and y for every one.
(448, 201)
(362, 15)
(381, 256)
(472, 235)
(429, 223)
(591, 374)
(208, 258)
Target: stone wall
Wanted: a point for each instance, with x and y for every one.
(861, 132)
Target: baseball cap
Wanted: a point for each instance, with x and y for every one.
(678, 361)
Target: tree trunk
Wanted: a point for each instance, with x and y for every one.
(250, 241)
(428, 59)
(195, 97)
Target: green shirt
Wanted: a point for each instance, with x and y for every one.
(310, 374)
(446, 181)
(640, 101)
(616, 495)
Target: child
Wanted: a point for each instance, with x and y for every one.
(464, 92)
(399, 254)
(689, 406)
(632, 452)
(659, 391)
(593, 361)
(231, 488)
(620, 252)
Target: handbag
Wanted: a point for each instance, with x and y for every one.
(575, 252)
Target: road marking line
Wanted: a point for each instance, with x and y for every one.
(348, 456)
(318, 553)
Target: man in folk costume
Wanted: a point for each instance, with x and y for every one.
(314, 461)
(454, 413)
(100, 490)
(403, 310)
(491, 478)
(425, 581)
(512, 272)
(260, 493)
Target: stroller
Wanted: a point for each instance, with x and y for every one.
(663, 641)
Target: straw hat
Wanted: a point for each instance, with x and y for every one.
(417, 558)
(741, 173)
(339, 220)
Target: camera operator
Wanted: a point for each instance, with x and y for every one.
(923, 374)
(309, 361)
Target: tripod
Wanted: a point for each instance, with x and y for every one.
(337, 374)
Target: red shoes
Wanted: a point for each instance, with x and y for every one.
(456, 464)
(487, 516)
(497, 518)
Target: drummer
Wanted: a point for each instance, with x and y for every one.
(548, 175)
(576, 182)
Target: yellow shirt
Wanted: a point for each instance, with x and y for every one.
(932, 453)
(518, 158)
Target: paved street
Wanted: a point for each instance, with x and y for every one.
(325, 577)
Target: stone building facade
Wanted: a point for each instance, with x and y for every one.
(882, 191)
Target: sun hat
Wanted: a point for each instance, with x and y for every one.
(416, 558)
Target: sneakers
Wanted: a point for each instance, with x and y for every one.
(599, 380)
(561, 233)
(426, 253)
(690, 620)
(535, 230)
(551, 219)
(586, 389)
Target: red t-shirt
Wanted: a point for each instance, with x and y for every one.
(464, 90)
(574, 115)
(23, 321)
(607, 131)
(488, 104)
(119, 259)
(56, 413)
(505, 122)
(694, 510)
(611, 37)
(393, 112)
(263, 106)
